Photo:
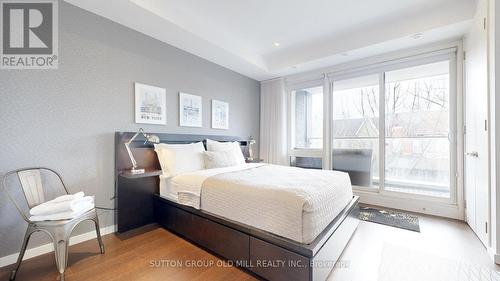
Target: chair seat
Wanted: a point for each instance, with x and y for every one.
(65, 221)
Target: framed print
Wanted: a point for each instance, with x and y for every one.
(150, 104)
(220, 115)
(190, 110)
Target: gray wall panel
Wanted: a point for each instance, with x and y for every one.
(66, 118)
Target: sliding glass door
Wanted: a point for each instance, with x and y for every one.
(417, 126)
(355, 129)
(391, 128)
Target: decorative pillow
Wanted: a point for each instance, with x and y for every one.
(234, 147)
(180, 158)
(220, 159)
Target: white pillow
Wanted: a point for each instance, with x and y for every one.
(234, 147)
(219, 159)
(180, 158)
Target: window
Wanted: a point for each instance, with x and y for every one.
(307, 127)
(417, 125)
(308, 123)
(388, 126)
(355, 129)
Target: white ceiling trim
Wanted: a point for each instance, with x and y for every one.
(366, 63)
(371, 38)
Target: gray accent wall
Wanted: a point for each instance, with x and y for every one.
(66, 118)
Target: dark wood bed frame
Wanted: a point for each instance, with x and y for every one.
(262, 253)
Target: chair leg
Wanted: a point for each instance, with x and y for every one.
(60, 236)
(61, 253)
(98, 232)
(27, 236)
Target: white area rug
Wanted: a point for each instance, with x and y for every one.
(401, 264)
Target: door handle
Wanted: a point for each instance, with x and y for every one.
(473, 154)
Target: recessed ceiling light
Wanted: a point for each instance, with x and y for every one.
(276, 44)
(417, 35)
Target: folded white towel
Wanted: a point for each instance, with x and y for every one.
(82, 208)
(67, 197)
(57, 206)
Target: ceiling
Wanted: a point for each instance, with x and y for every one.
(241, 35)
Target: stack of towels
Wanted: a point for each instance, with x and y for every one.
(63, 207)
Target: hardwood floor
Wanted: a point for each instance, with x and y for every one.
(438, 237)
(145, 256)
(157, 254)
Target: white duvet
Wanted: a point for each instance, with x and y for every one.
(294, 203)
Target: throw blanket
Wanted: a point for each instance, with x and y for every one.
(189, 194)
(279, 194)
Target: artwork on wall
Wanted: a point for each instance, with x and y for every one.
(150, 104)
(190, 114)
(220, 115)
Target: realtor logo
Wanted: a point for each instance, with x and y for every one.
(29, 34)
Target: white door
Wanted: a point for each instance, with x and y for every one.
(476, 127)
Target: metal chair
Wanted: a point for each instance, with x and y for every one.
(34, 183)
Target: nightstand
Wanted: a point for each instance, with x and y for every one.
(134, 194)
(149, 173)
(254, 160)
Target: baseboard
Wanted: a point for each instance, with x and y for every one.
(414, 205)
(47, 248)
(494, 256)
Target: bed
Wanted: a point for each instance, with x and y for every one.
(271, 220)
(276, 199)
